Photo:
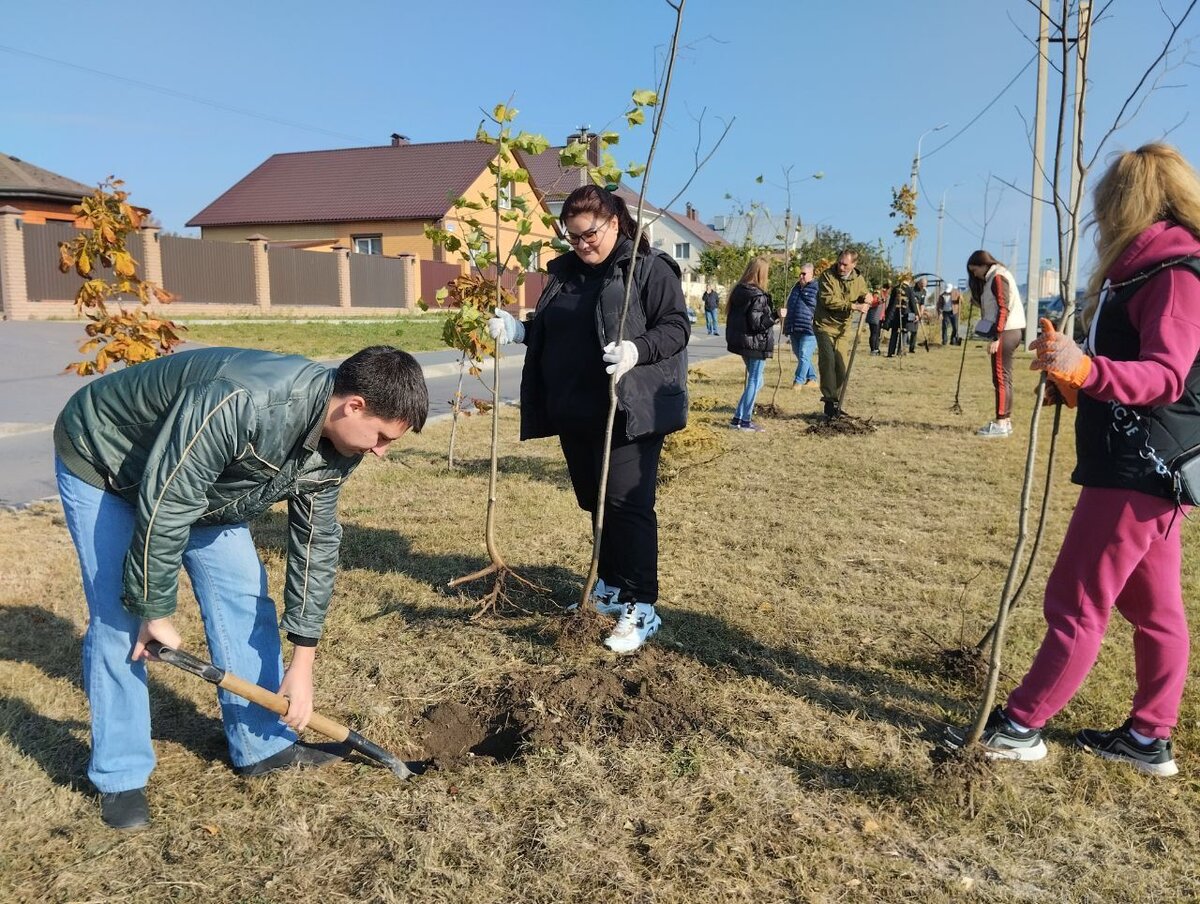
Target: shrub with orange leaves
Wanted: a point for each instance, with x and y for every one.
(126, 337)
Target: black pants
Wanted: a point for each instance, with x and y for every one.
(912, 340)
(873, 339)
(629, 543)
(895, 340)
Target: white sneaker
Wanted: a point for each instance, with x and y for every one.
(638, 623)
(992, 428)
(604, 598)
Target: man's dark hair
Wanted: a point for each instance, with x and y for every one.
(390, 382)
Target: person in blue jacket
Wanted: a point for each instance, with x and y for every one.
(797, 326)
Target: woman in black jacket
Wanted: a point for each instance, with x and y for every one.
(748, 333)
(575, 340)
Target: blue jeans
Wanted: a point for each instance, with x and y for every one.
(240, 624)
(754, 382)
(710, 321)
(803, 348)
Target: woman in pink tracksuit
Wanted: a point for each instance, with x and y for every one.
(1137, 385)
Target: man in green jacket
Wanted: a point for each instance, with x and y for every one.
(840, 291)
(159, 467)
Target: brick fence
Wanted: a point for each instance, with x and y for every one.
(221, 278)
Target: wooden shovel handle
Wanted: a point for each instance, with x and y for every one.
(277, 703)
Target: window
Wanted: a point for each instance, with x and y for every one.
(535, 260)
(683, 251)
(506, 196)
(368, 244)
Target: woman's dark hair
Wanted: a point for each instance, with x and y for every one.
(604, 204)
(390, 382)
(978, 258)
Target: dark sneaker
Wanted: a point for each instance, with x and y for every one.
(1119, 745)
(125, 810)
(299, 754)
(752, 427)
(735, 423)
(1001, 740)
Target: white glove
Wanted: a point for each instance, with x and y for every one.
(621, 357)
(505, 328)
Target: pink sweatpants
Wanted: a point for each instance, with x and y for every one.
(1121, 549)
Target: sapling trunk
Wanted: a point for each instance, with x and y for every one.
(993, 676)
(956, 408)
(1038, 534)
(602, 492)
(456, 409)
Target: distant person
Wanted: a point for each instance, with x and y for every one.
(572, 349)
(1002, 321)
(798, 327)
(913, 325)
(712, 302)
(947, 308)
(748, 332)
(841, 291)
(901, 312)
(1137, 387)
(160, 466)
(877, 305)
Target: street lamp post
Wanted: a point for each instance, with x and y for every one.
(916, 170)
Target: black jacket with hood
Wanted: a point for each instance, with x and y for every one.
(748, 326)
(653, 395)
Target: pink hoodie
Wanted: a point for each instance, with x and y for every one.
(1165, 312)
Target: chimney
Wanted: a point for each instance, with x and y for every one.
(593, 143)
(692, 213)
(398, 139)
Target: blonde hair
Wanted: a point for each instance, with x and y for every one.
(756, 273)
(1139, 189)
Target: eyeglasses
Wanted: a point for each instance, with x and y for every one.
(588, 235)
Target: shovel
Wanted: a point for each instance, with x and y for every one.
(276, 704)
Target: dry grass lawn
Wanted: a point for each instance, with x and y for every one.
(773, 743)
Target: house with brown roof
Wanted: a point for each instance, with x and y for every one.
(39, 194)
(374, 200)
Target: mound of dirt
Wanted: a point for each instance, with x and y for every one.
(639, 700)
(841, 426)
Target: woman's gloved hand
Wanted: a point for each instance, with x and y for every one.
(1063, 361)
(621, 357)
(505, 328)
(1060, 357)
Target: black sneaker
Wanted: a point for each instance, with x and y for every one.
(1001, 740)
(299, 754)
(125, 810)
(1154, 758)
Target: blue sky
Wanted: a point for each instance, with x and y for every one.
(843, 88)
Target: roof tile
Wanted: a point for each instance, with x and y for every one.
(404, 182)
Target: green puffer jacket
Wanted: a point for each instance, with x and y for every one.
(835, 296)
(214, 436)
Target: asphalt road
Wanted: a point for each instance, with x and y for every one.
(34, 388)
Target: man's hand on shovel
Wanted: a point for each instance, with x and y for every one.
(159, 629)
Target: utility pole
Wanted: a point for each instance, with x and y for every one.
(1034, 277)
(913, 180)
(937, 267)
(1083, 29)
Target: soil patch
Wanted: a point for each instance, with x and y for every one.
(842, 426)
(624, 701)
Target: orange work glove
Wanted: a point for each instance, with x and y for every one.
(1063, 361)
(1053, 394)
